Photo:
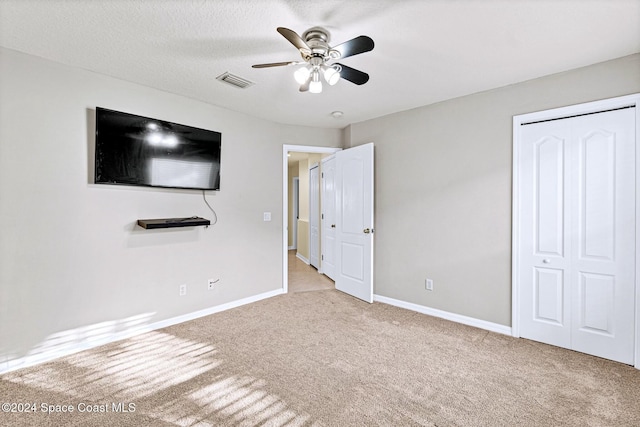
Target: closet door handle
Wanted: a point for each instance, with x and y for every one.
(546, 261)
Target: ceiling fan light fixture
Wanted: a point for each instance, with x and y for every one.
(316, 52)
(332, 75)
(302, 75)
(316, 85)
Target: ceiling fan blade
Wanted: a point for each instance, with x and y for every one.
(276, 64)
(354, 76)
(293, 38)
(360, 44)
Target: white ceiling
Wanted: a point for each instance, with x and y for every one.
(425, 51)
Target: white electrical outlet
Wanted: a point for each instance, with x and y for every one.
(211, 283)
(183, 289)
(428, 284)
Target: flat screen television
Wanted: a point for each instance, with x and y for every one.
(136, 150)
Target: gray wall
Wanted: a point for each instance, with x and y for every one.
(72, 258)
(73, 264)
(443, 188)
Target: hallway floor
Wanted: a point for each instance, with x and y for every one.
(303, 277)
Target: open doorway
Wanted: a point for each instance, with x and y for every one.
(298, 258)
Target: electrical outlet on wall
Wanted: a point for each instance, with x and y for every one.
(428, 284)
(183, 289)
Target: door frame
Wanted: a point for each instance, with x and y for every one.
(559, 113)
(285, 201)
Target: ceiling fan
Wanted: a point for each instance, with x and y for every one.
(316, 54)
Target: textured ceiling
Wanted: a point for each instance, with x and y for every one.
(425, 51)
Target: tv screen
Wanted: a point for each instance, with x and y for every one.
(136, 150)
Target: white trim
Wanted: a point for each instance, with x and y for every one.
(515, 227)
(291, 248)
(302, 258)
(577, 109)
(557, 113)
(637, 104)
(458, 318)
(31, 360)
(285, 200)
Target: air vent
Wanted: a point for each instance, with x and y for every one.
(234, 80)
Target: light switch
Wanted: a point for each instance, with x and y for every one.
(267, 216)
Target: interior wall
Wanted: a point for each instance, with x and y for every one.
(443, 188)
(73, 263)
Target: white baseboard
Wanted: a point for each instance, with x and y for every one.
(216, 309)
(303, 259)
(290, 248)
(55, 353)
(458, 318)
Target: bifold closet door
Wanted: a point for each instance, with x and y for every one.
(577, 233)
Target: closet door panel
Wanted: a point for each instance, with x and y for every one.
(603, 281)
(544, 292)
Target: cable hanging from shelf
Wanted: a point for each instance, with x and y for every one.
(215, 215)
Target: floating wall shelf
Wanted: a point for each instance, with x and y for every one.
(191, 221)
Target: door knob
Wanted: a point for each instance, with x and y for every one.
(333, 226)
(546, 261)
(366, 231)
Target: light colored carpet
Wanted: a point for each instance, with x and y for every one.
(324, 358)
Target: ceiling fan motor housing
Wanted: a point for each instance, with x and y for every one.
(318, 41)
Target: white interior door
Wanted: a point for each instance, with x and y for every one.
(577, 233)
(354, 221)
(603, 231)
(314, 216)
(295, 212)
(544, 249)
(328, 218)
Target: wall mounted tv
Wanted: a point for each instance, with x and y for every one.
(136, 150)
